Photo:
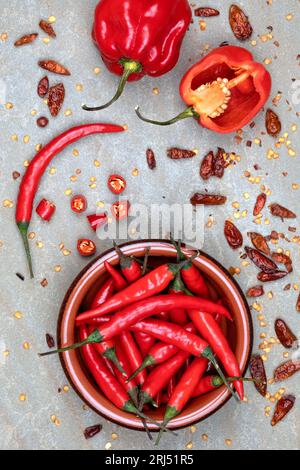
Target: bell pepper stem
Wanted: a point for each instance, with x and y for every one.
(23, 228)
(129, 67)
(187, 113)
(95, 337)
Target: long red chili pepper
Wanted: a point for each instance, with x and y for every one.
(212, 333)
(131, 269)
(129, 386)
(119, 280)
(104, 293)
(207, 384)
(37, 167)
(178, 315)
(184, 390)
(106, 380)
(171, 387)
(149, 285)
(144, 341)
(160, 352)
(134, 356)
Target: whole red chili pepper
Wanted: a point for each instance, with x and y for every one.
(145, 40)
(207, 384)
(104, 293)
(160, 352)
(224, 91)
(108, 349)
(37, 167)
(144, 341)
(45, 210)
(130, 268)
(212, 333)
(149, 285)
(119, 281)
(178, 315)
(184, 390)
(133, 354)
(129, 386)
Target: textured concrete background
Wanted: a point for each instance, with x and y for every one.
(27, 424)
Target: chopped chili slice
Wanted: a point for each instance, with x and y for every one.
(86, 247)
(78, 204)
(97, 220)
(116, 184)
(45, 209)
(120, 209)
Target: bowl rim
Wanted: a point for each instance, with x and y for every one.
(74, 283)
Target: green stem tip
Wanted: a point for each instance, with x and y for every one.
(129, 67)
(187, 113)
(94, 337)
(23, 228)
(112, 356)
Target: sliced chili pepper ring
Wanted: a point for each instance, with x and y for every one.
(78, 203)
(116, 184)
(86, 247)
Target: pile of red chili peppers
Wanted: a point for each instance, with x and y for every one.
(154, 336)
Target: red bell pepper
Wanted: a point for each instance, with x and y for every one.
(138, 37)
(224, 91)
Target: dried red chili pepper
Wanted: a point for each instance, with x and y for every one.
(116, 184)
(86, 247)
(43, 87)
(16, 175)
(45, 209)
(78, 203)
(298, 304)
(27, 39)
(285, 334)
(273, 276)
(273, 124)
(239, 23)
(284, 259)
(47, 28)
(92, 431)
(56, 98)
(255, 291)
(233, 235)
(258, 373)
(259, 242)
(207, 166)
(208, 199)
(97, 220)
(120, 209)
(283, 407)
(54, 67)
(42, 121)
(286, 370)
(259, 204)
(178, 154)
(260, 260)
(151, 161)
(279, 211)
(206, 12)
(50, 341)
(220, 163)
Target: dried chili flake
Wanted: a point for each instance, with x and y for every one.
(47, 28)
(233, 235)
(283, 407)
(258, 373)
(255, 291)
(273, 124)
(259, 242)
(44, 282)
(27, 39)
(207, 166)
(286, 370)
(92, 431)
(239, 23)
(281, 258)
(285, 334)
(16, 175)
(260, 260)
(298, 304)
(178, 154)
(54, 67)
(151, 160)
(206, 12)
(287, 287)
(259, 204)
(268, 277)
(42, 121)
(279, 211)
(43, 87)
(208, 199)
(50, 341)
(56, 98)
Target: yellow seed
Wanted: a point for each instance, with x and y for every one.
(31, 235)
(277, 395)
(22, 397)
(18, 315)
(8, 203)
(264, 357)
(93, 185)
(135, 172)
(237, 215)
(26, 139)
(66, 388)
(68, 112)
(57, 268)
(235, 205)
(68, 192)
(289, 17)
(51, 19)
(73, 178)
(189, 445)
(263, 335)
(267, 408)
(285, 355)
(75, 153)
(253, 42)
(268, 395)
(245, 399)
(40, 244)
(245, 263)
(100, 204)
(263, 324)
(204, 437)
(53, 418)
(272, 399)
(33, 112)
(38, 147)
(26, 345)
(52, 171)
(4, 36)
(6, 353)
(270, 295)
(97, 70)
(79, 87)
(193, 429)
(294, 127)
(155, 91)
(9, 105)
(108, 446)
(114, 436)
(66, 252)
(228, 442)
(291, 153)
(246, 195)
(97, 163)
(282, 391)
(267, 61)
(14, 138)
(46, 40)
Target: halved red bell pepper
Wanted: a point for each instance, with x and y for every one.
(138, 37)
(224, 91)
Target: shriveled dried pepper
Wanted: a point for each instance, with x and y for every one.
(283, 407)
(285, 334)
(258, 373)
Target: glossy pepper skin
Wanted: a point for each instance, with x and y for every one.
(138, 37)
(240, 89)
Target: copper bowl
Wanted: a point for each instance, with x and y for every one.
(239, 332)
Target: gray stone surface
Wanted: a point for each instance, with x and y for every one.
(27, 425)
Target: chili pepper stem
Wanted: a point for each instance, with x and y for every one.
(94, 337)
(208, 354)
(145, 263)
(187, 113)
(23, 227)
(111, 355)
(171, 412)
(133, 393)
(130, 67)
(147, 362)
(132, 409)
